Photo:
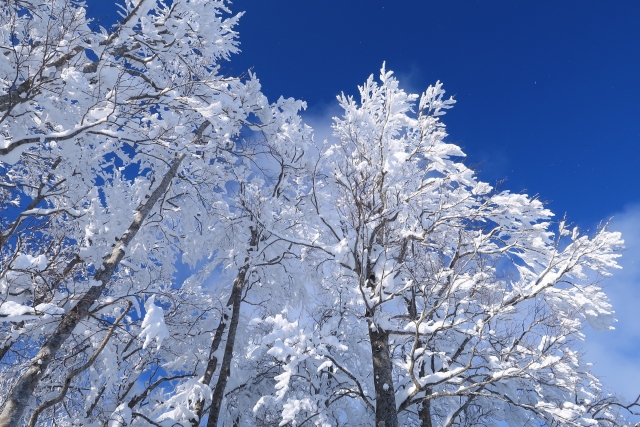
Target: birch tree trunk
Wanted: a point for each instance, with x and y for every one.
(22, 391)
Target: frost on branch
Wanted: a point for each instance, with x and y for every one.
(121, 151)
(386, 283)
(450, 302)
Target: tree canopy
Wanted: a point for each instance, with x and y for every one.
(369, 279)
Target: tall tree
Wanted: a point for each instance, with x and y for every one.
(143, 118)
(447, 302)
(379, 283)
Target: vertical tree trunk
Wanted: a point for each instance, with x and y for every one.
(211, 365)
(225, 369)
(22, 391)
(386, 414)
(424, 413)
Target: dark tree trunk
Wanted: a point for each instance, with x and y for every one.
(386, 414)
(225, 369)
(211, 365)
(22, 391)
(424, 413)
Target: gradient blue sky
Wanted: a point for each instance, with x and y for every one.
(548, 97)
(547, 91)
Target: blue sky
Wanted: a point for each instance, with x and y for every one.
(547, 91)
(548, 98)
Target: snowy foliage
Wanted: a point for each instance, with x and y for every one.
(368, 278)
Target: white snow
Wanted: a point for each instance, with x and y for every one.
(153, 326)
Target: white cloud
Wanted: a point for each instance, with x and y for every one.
(616, 354)
(320, 118)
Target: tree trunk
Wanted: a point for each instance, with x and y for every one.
(8, 343)
(424, 413)
(22, 391)
(225, 369)
(211, 365)
(386, 414)
(67, 383)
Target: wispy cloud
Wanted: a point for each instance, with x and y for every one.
(320, 118)
(616, 354)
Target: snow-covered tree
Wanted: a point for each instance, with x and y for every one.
(443, 301)
(135, 133)
(377, 283)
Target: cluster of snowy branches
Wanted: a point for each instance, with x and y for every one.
(367, 280)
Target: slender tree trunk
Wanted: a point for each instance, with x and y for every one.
(386, 414)
(22, 391)
(211, 365)
(424, 410)
(225, 369)
(424, 413)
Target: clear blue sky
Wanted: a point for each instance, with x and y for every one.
(548, 97)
